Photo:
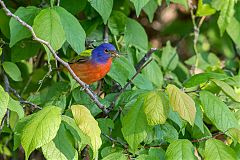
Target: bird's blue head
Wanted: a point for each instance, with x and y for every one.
(102, 53)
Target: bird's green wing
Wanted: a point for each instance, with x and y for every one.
(82, 57)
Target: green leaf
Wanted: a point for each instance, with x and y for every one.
(106, 125)
(204, 9)
(134, 125)
(16, 107)
(182, 2)
(139, 4)
(12, 70)
(4, 23)
(4, 99)
(75, 130)
(181, 149)
(153, 73)
(41, 129)
(216, 149)
(199, 117)
(167, 132)
(234, 24)
(156, 153)
(17, 30)
(234, 133)
(24, 50)
(116, 155)
(226, 14)
(50, 93)
(74, 32)
(182, 103)
(47, 26)
(61, 147)
(227, 90)
(18, 130)
(198, 79)
(74, 6)
(150, 9)
(169, 59)
(156, 107)
(135, 35)
(88, 126)
(103, 7)
(217, 111)
(121, 70)
(117, 22)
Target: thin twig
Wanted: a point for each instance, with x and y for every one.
(58, 2)
(208, 137)
(196, 33)
(145, 58)
(126, 85)
(114, 140)
(65, 64)
(105, 34)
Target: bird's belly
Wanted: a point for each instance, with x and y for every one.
(90, 73)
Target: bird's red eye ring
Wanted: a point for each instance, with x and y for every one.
(106, 51)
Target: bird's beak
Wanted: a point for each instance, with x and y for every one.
(114, 54)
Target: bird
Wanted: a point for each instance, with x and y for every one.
(93, 68)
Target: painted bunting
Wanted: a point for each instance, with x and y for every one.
(95, 67)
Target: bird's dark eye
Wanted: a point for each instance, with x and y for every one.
(106, 51)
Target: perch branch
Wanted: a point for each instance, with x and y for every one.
(65, 64)
(139, 67)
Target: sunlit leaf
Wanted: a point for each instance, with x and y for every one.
(4, 98)
(88, 125)
(227, 90)
(182, 103)
(47, 25)
(217, 111)
(41, 129)
(181, 149)
(216, 149)
(156, 107)
(61, 147)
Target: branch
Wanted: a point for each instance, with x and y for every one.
(196, 33)
(105, 34)
(114, 140)
(208, 137)
(139, 67)
(145, 58)
(65, 64)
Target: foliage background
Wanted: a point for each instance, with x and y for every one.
(183, 105)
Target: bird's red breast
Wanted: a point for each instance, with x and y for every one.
(90, 72)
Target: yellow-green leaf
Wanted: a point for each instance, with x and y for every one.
(41, 129)
(156, 107)
(88, 125)
(4, 98)
(182, 103)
